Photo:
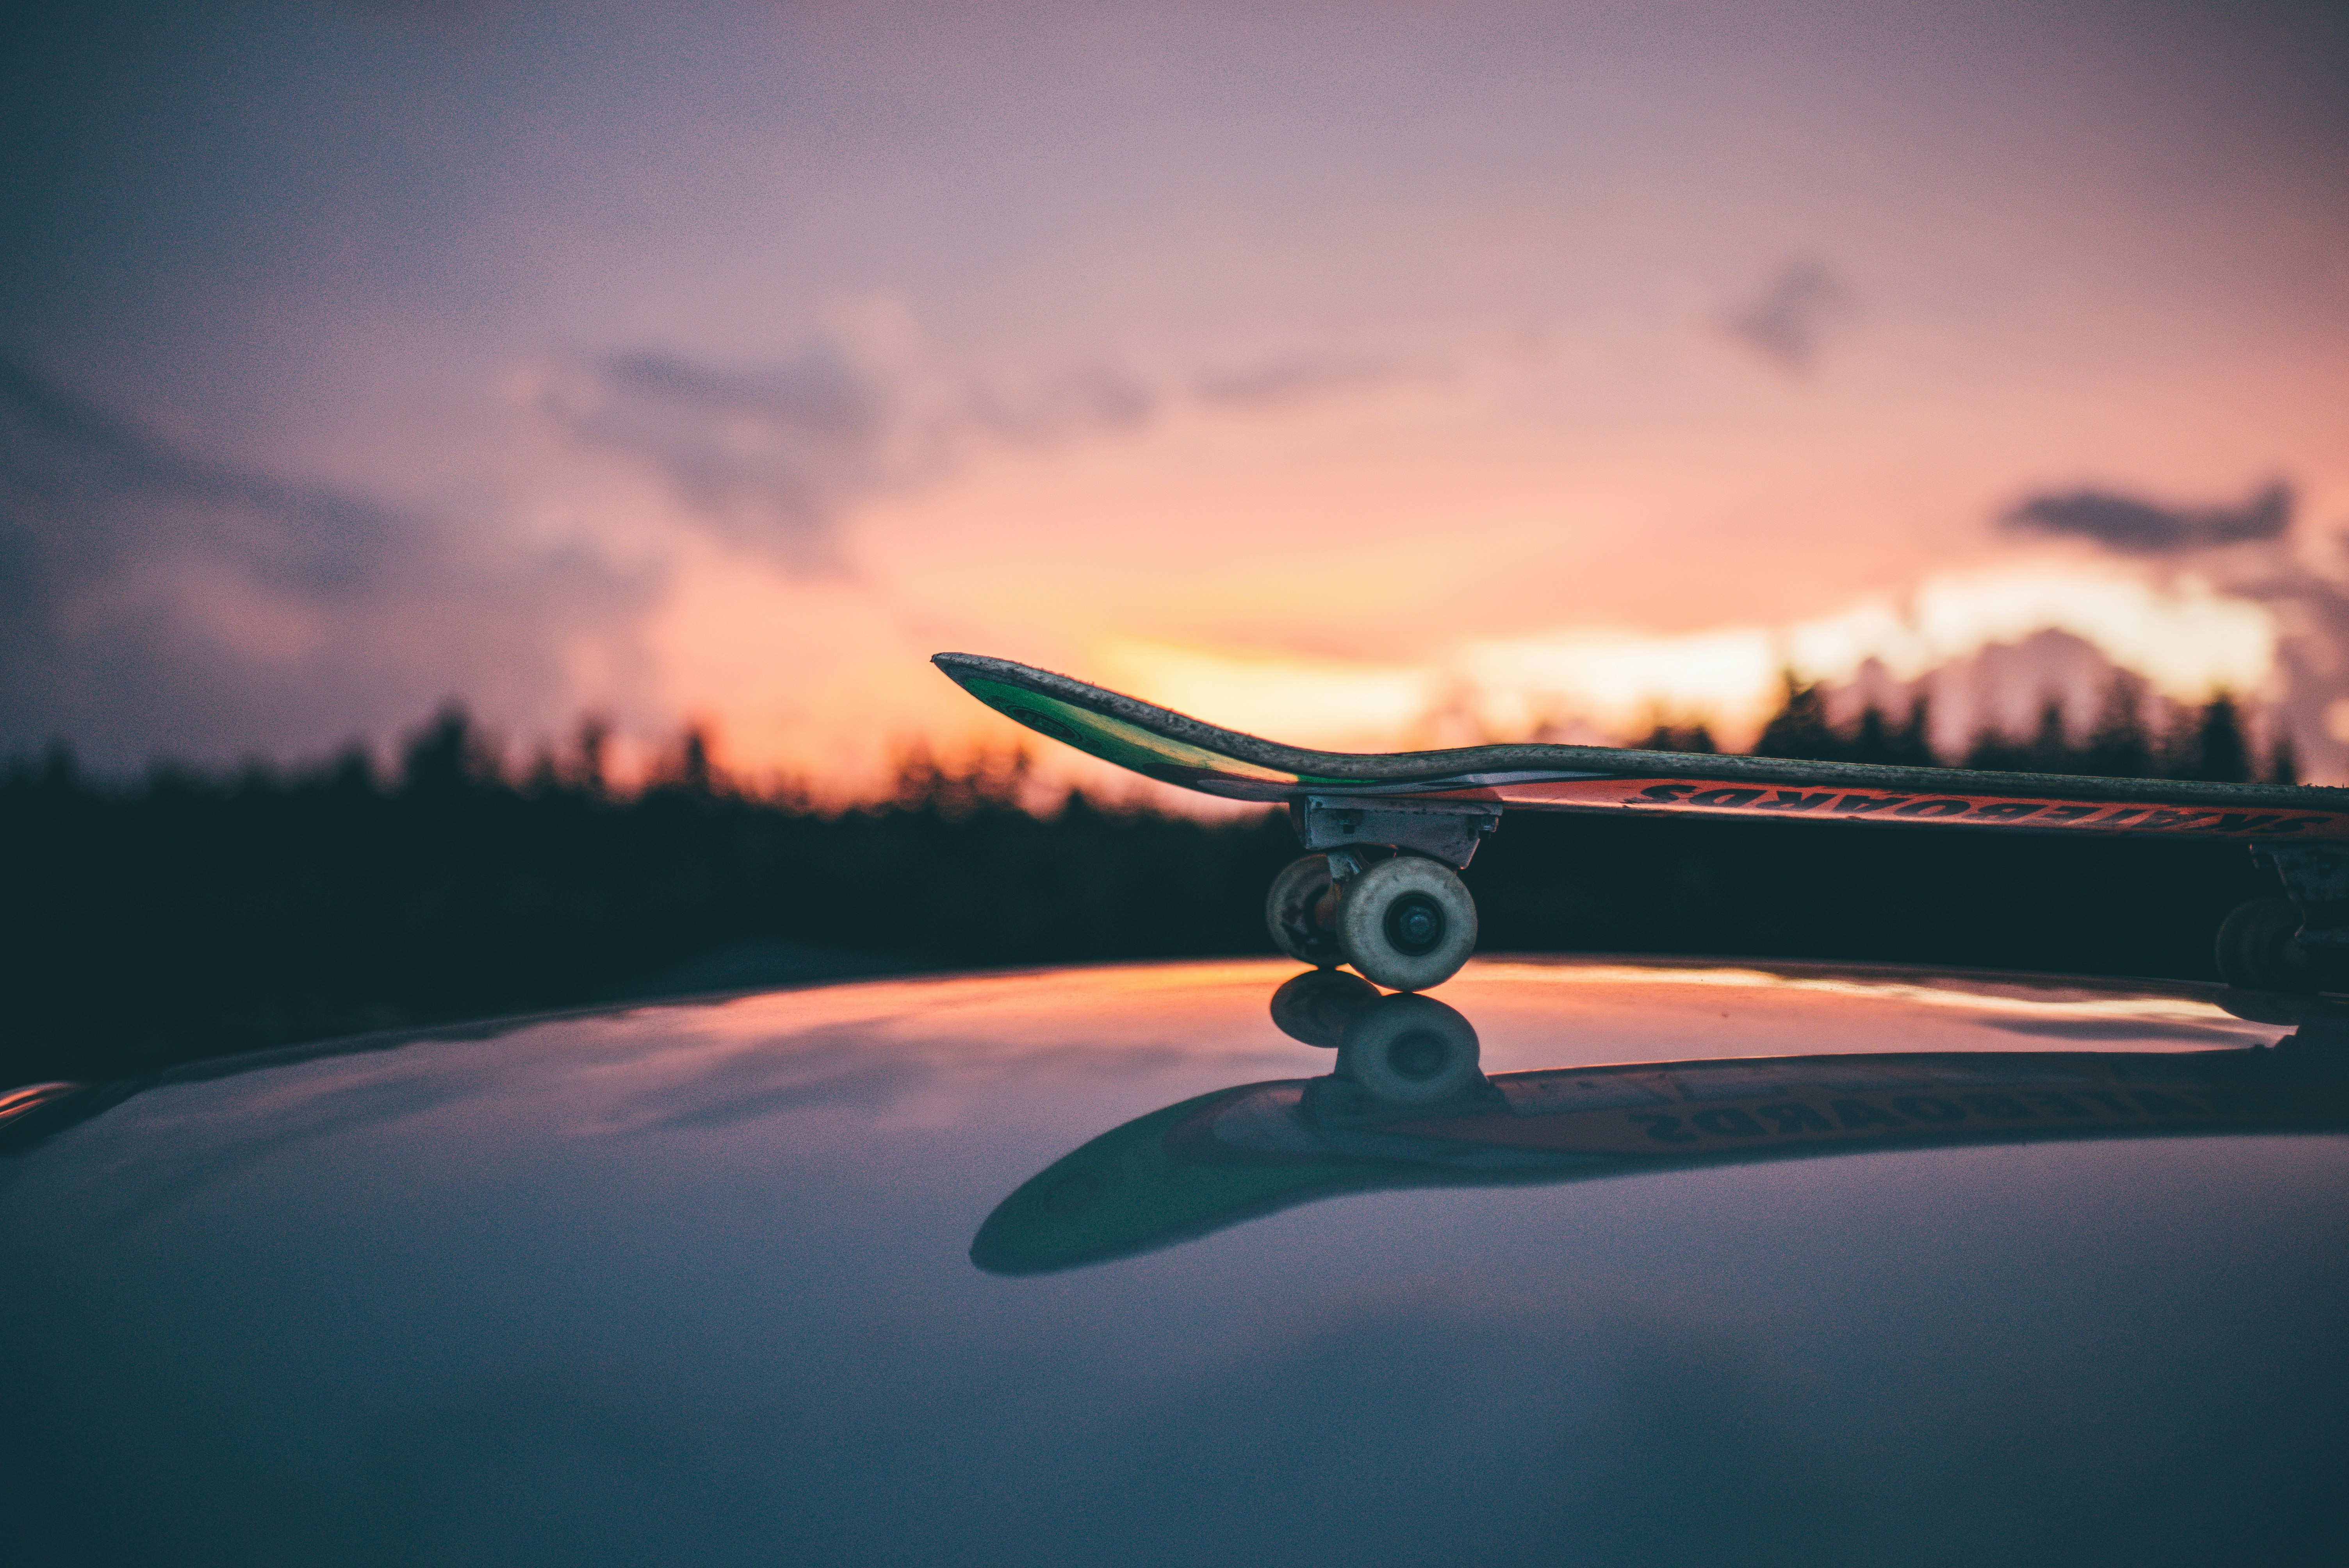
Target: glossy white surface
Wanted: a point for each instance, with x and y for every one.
(690, 1283)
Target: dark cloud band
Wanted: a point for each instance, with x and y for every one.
(2138, 527)
(155, 599)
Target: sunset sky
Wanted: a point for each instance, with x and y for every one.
(1365, 374)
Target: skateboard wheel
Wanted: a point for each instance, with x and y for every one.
(1299, 912)
(1408, 923)
(1314, 1006)
(2259, 948)
(1409, 1050)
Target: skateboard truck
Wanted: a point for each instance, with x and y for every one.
(1445, 831)
(1379, 890)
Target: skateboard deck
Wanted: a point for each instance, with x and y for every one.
(1176, 748)
(1239, 1153)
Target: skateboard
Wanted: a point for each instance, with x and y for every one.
(1407, 1107)
(1388, 833)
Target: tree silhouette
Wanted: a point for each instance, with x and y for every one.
(1992, 749)
(2051, 742)
(1872, 739)
(2120, 745)
(2207, 743)
(694, 775)
(1912, 744)
(1691, 737)
(2283, 759)
(594, 741)
(1800, 729)
(2221, 753)
(448, 756)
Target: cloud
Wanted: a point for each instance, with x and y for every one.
(774, 457)
(2136, 527)
(767, 459)
(1063, 406)
(155, 599)
(1789, 321)
(2301, 587)
(66, 457)
(1284, 383)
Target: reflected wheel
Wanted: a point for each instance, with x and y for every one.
(1315, 1005)
(1410, 1050)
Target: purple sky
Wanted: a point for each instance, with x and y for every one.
(1380, 374)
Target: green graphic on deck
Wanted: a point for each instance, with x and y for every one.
(1113, 739)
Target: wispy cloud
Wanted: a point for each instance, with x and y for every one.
(1788, 322)
(2135, 526)
(1303, 378)
(769, 458)
(1064, 405)
(156, 599)
(75, 475)
(774, 456)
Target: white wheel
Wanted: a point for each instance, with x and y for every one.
(1408, 923)
(1409, 1050)
(1298, 911)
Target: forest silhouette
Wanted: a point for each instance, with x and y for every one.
(188, 914)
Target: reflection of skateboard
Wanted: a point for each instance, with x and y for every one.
(1408, 1107)
(1389, 829)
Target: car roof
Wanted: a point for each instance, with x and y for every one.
(701, 1281)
